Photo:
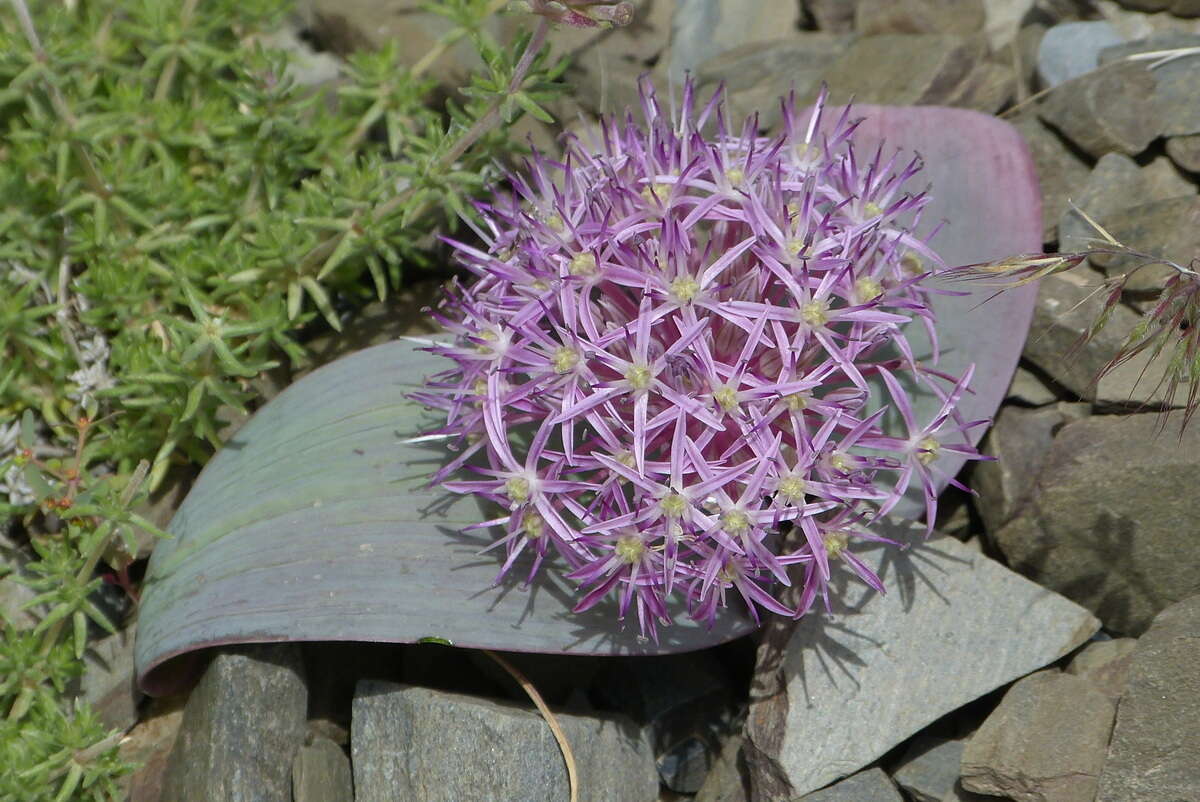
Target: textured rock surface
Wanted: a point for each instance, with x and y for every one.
(961, 17)
(1003, 19)
(1115, 183)
(1177, 82)
(1019, 440)
(1029, 389)
(1167, 228)
(1067, 304)
(1061, 173)
(685, 707)
(108, 683)
(148, 746)
(1071, 49)
(241, 728)
(702, 29)
(758, 74)
(929, 769)
(866, 786)
(15, 595)
(321, 773)
(402, 737)
(728, 779)
(954, 626)
(1155, 747)
(1113, 521)
(1185, 151)
(1114, 109)
(1045, 742)
(1105, 664)
(901, 69)
(835, 16)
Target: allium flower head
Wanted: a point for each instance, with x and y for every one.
(682, 341)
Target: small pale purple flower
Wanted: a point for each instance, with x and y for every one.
(681, 341)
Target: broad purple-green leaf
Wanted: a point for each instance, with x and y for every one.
(985, 193)
(314, 522)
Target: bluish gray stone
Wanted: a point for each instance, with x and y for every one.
(1112, 522)
(866, 786)
(1178, 80)
(420, 744)
(1071, 49)
(929, 769)
(321, 773)
(1046, 740)
(703, 29)
(242, 727)
(1155, 747)
(953, 626)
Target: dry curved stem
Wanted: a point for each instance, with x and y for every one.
(1172, 325)
(548, 715)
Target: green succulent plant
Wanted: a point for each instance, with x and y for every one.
(178, 216)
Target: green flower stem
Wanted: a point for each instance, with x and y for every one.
(326, 249)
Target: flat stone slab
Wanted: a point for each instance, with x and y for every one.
(953, 626)
(242, 727)
(866, 786)
(1045, 741)
(414, 743)
(1155, 748)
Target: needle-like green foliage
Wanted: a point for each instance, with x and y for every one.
(178, 216)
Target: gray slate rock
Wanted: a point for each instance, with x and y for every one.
(930, 769)
(1003, 20)
(872, 785)
(961, 17)
(1155, 748)
(1113, 522)
(1185, 151)
(1044, 742)
(702, 29)
(1115, 183)
(1105, 664)
(1177, 83)
(1146, 5)
(321, 773)
(1067, 304)
(1028, 388)
(1167, 228)
(756, 75)
(419, 744)
(242, 727)
(1071, 49)
(1115, 109)
(728, 779)
(1163, 180)
(1061, 173)
(831, 16)
(108, 683)
(684, 704)
(953, 626)
(1019, 440)
(902, 69)
(14, 595)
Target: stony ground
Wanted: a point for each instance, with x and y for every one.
(1074, 575)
